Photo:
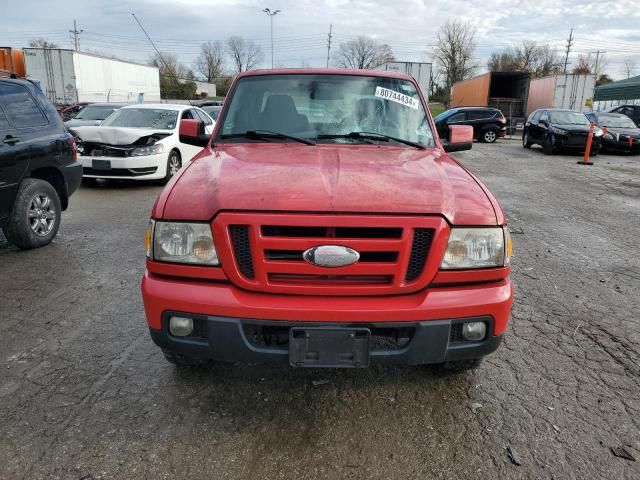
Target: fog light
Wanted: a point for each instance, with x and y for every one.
(180, 326)
(474, 331)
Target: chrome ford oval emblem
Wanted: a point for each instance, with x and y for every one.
(331, 256)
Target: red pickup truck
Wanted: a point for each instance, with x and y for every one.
(324, 225)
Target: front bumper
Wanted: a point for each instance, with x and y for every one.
(227, 339)
(147, 167)
(564, 142)
(225, 308)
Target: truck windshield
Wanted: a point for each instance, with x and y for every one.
(161, 119)
(94, 112)
(326, 108)
(568, 118)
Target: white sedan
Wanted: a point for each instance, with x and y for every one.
(140, 142)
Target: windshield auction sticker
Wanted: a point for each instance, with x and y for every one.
(397, 97)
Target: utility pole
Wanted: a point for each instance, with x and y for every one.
(169, 70)
(595, 67)
(271, 15)
(329, 44)
(76, 36)
(569, 45)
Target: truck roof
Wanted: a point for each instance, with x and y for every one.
(327, 71)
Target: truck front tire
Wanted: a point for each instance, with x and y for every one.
(35, 218)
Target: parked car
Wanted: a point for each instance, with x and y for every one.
(93, 114)
(631, 111)
(488, 123)
(322, 243)
(140, 142)
(621, 135)
(209, 103)
(557, 129)
(38, 166)
(213, 110)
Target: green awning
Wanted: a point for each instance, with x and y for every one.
(628, 89)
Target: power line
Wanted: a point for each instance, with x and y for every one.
(76, 36)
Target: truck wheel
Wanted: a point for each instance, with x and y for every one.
(489, 136)
(547, 146)
(183, 361)
(174, 162)
(461, 365)
(525, 140)
(35, 218)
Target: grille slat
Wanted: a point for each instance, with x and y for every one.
(242, 249)
(420, 247)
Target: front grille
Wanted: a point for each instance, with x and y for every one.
(242, 249)
(276, 337)
(267, 252)
(119, 172)
(420, 247)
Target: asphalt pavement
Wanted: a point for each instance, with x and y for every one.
(84, 393)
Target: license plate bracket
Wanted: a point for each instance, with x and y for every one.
(101, 164)
(329, 347)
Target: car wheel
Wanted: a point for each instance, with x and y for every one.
(489, 136)
(547, 146)
(183, 361)
(35, 218)
(525, 140)
(174, 163)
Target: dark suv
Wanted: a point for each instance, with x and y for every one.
(38, 167)
(488, 123)
(631, 111)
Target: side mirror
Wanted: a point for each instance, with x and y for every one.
(460, 138)
(192, 132)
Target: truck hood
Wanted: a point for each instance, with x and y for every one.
(117, 135)
(326, 178)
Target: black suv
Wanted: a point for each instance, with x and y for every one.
(488, 123)
(38, 167)
(556, 129)
(631, 111)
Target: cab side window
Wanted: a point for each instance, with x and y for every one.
(20, 108)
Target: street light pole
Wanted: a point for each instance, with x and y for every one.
(271, 15)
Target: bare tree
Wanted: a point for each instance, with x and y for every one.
(363, 53)
(629, 68)
(454, 51)
(42, 43)
(210, 62)
(539, 60)
(245, 54)
(168, 65)
(583, 66)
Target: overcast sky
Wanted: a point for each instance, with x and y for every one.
(300, 30)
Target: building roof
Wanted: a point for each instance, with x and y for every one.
(628, 89)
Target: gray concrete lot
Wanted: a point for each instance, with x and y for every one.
(85, 394)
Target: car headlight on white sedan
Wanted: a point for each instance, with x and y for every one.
(182, 242)
(477, 248)
(147, 150)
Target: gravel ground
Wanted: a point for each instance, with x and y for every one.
(85, 394)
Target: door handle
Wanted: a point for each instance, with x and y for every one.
(10, 140)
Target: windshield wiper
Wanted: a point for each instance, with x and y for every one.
(374, 136)
(267, 134)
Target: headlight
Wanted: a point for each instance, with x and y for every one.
(148, 150)
(477, 248)
(558, 131)
(597, 132)
(180, 242)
